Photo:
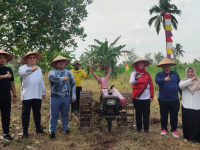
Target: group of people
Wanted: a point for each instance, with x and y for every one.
(169, 86)
(66, 86)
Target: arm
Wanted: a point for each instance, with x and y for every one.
(132, 78)
(178, 81)
(151, 87)
(54, 79)
(85, 76)
(23, 71)
(159, 80)
(13, 91)
(184, 84)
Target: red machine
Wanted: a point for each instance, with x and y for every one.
(112, 102)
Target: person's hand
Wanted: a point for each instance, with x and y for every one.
(167, 78)
(139, 76)
(180, 98)
(73, 100)
(43, 97)
(151, 99)
(8, 75)
(34, 68)
(14, 100)
(66, 78)
(194, 78)
(88, 70)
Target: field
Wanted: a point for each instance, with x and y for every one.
(121, 138)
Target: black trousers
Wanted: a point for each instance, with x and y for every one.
(171, 107)
(26, 108)
(142, 110)
(5, 108)
(191, 124)
(75, 105)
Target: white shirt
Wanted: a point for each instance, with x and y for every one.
(32, 84)
(146, 94)
(188, 100)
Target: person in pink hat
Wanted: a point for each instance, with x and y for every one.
(6, 85)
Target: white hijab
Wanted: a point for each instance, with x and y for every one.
(195, 85)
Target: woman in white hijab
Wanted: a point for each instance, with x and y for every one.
(190, 86)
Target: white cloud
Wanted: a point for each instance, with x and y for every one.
(129, 18)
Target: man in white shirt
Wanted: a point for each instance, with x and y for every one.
(32, 91)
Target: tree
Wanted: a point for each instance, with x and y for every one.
(158, 57)
(132, 55)
(102, 54)
(196, 60)
(41, 24)
(177, 51)
(163, 7)
(148, 57)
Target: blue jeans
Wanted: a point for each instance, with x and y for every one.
(58, 105)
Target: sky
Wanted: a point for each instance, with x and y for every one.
(129, 18)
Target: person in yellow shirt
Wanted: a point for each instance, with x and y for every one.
(79, 74)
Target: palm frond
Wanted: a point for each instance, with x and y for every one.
(174, 24)
(152, 20)
(112, 44)
(94, 46)
(154, 9)
(158, 24)
(174, 19)
(98, 42)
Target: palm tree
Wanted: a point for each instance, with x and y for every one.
(163, 7)
(177, 51)
(102, 54)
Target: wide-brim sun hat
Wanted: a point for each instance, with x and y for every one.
(9, 56)
(165, 61)
(139, 59)
(37, 55)
(58, 58)
(76, 62)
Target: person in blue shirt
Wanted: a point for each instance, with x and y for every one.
(62, 85)
(168, 82)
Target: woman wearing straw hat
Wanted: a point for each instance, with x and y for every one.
(168, 81)
(32, 91)
(190, 86)
(6, 85)
(78, 75)
(143, 93)
(62, 85)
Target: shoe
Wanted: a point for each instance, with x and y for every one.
(175, 134)
(25, 136)
(146, 132)
(41, 131)
(163, 132)
(52, 135)
(7, 137)
(67, 132)
(138, 131)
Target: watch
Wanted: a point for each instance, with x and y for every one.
(14, 95)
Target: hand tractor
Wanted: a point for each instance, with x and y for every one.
(114, 105)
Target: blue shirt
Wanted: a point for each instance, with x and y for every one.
(59, 87)
(168, 90)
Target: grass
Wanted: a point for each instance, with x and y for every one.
(121, 138)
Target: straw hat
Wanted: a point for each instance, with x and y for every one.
(166, 61)
(76, 62)
(139, 59)
(37, 55)
(9, 57)
(59, 57)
